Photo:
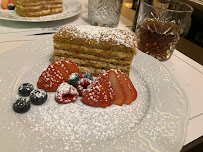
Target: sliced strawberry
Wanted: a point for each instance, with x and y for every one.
(13, 2)
(131, 86)
(117, 87)
(95, 95)
(104, 81)
(50, 79)
(42, 80)
(71, 67)
(55, 74)
(63, 70)
(127, 89)
(4, 4)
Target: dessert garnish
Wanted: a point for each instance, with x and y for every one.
(73, 79)
(38, 97)
(88, 75)
(8, 4)
(25, 89)
(57, 73)
(111, 87)
(21, 105)
(100, 93)
(82, 85)
(66, 93)
(11, 6)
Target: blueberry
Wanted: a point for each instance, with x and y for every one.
(88, 75)
(21, 105)
(73, 79)
(11, 6)
(38, 97)
(25, 89)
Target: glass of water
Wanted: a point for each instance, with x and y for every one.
(104, 12)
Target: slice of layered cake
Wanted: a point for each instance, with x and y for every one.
(36, 8)
(95, 49)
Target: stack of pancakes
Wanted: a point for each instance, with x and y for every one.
(95, 48)
(36, 8)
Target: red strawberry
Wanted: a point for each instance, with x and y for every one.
(71, 67)
(55, 74)
(131, 86)
(95, 95)
(62, 69)
(4, 4)
(129, 89)
(117, 87)
(104, 80)
(50, 79)
(100, 93)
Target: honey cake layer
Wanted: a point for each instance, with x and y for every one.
(95, 70)
(101, 38)
(97, 64)
(95, 49)
(82, 56)
(62, 48)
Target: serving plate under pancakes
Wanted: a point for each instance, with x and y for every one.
(155, 121)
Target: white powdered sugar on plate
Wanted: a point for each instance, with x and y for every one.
(77, 122)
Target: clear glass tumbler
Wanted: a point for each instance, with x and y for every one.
(159, 26)
(104, 12)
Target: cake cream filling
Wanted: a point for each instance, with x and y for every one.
(91, 68)
(64, 47)
(37, 7)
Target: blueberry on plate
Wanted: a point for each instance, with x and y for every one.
(88, 75)
(38, 97)
(73, 79)
(11, 6)
(21, 105)
(25, 89)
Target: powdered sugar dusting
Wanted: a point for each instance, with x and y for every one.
(99, 34)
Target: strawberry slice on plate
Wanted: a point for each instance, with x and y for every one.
(104, 81)
(71, 67)
(61, 68)
(56, 73)
(95, 95)
(100, 93)
(4, 3)
(129, 89)
(132, 88)
(50, 79)
(117, 87)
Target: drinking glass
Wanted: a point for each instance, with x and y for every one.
(159, 26)
(104, 12)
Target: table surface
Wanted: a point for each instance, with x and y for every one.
(186, 71)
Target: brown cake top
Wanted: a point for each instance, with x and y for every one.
(96, 33)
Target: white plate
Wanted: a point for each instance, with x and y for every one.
(70, 9)
(156, 121)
